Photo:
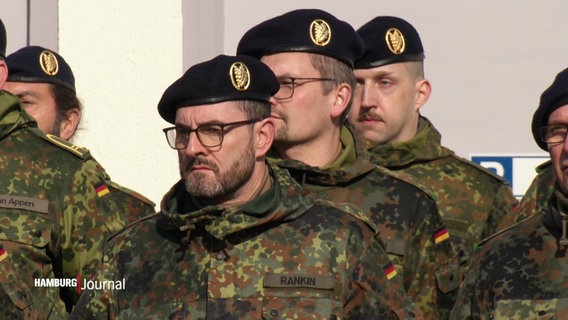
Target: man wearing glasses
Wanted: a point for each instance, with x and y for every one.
(235, 238)
(522, 273)
(312, 53)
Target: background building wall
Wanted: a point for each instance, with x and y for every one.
(124, 55)
(488, 63)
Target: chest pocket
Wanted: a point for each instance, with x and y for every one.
(27, 237)
(301, 297)
(531, 309)
(25, 234)
(22, 228)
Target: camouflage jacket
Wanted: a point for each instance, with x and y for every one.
(406, 217)
(55, 213)
(279, 256)
(520, 273)
(474, 202)
(538, 194)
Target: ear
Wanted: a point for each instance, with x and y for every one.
(423, 90)
(69, 124)
(3, 73)
(264, 137)
(342, 97)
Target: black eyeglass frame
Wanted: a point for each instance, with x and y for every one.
(293, 85)
(544, 132)
(199, 129)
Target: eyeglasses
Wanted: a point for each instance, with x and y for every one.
(553, 134)
(209, 135)
(287, 85)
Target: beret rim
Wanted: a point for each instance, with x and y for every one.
(168, 109)
(390, 60)
(266, 52)
(27, 79)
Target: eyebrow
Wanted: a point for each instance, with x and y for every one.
(181, 125)
(28, 93)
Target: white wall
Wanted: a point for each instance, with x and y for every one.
(124, 54)
(488, 62)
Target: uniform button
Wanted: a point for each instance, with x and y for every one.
(37, 233)
(274, 313)
(220, 256)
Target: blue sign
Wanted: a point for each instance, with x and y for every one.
(519, 170)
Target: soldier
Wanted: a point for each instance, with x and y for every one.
(391, 89)
(235, 238)
(55, 213)
(45, 84)
(312, 53)
(521, 273)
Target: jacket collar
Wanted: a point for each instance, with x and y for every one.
(424, 146)
(281, 202)
(352, 163)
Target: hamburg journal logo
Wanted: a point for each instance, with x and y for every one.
(80, 284)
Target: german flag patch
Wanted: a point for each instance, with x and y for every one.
(441, 235)
(101, 189)
(390, 271)
(3, 253)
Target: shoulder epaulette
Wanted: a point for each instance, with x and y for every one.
(483, 241)
(480, 168)
(80, 152)
(351, 210)
(130, 193)
(543, 166)
(132, 224)
(402, 175)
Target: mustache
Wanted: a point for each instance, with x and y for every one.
(200, 161)
(368, 116)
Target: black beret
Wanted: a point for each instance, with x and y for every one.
(3, 40)
(221, 79)
(39, 65)
(551, 99)
(304, 30)
(389, 40)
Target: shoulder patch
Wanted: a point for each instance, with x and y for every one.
(480, 168)
(80, 152)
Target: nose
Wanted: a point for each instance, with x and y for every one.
(194, 146)
(273, 101)
(367, 96)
